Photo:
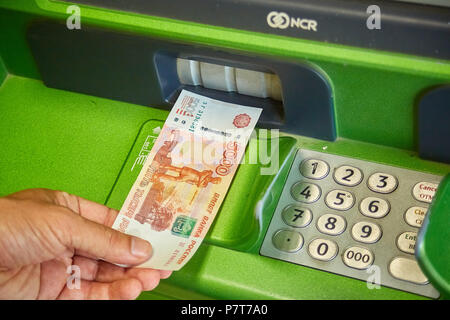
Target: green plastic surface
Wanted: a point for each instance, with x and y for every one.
(84, 144)
(433, 244)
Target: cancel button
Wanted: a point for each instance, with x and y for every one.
(424, 191)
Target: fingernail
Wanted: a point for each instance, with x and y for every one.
(141, 248)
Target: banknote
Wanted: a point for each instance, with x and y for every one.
(186, 176)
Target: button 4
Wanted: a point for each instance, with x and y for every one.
(305, 192)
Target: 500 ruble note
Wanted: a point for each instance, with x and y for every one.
(186, 176)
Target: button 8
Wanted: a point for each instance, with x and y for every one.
(331, 224)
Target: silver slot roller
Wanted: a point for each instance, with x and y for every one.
(229, 79)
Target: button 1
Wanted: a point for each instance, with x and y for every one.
(339, 200)
(414, 216)
(408, 270)
(287, 241)
(366, 232)
(296, 216)
(348, 176)
(374, 207)
(331, 224)
(382, 182)
(424, 191)
(314, 169)
(305, 192)
(358, 258)
(406, 242)
(322, 249)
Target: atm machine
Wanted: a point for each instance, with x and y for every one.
(356, 95)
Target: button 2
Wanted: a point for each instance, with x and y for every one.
(358, 258)
(382, 182)
(339, 200)
(296, 216)
(314, 169)
(287, 241)
(348, 176)
(305, 192)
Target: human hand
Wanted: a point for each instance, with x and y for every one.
(43, 232)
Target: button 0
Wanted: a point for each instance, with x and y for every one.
(382, 182)
(287, 241)
(322, 249)
(305, 192)
(339, 200)
(374, 207)
(424, 191)
(331, 224)
(366, 232)
(314, 169)
(358, 258)
(414, 216)
(348, 176)
(408, 270)
(406, 242)
(296, 216)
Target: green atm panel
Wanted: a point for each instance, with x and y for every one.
(359, 134)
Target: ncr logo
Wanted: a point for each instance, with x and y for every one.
(281, 20)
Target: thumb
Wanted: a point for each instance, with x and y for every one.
(99, 241)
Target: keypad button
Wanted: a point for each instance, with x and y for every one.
(414, 216)
(366, 232)
(358, 258)
(348, 176)
(314, 169)
(382, 182)
(374, 207)
(408, 270)
(322, 249)
(406, 242)
(296, 216)
(339, 200)
(331, 224)
(287, 240)
(424, 191)
(305, 192)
